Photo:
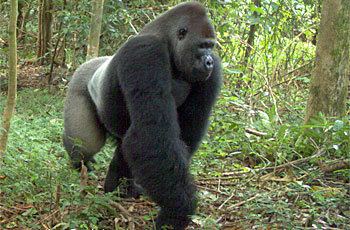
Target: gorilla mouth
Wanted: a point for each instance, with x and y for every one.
(203, 67)
(198, 74)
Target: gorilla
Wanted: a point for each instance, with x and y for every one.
(154, 96)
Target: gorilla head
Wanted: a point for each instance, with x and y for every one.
(191, 40)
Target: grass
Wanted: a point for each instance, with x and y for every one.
(38, 189)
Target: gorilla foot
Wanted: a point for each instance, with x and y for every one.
(134, 190)
(165, 221)
(111, 183)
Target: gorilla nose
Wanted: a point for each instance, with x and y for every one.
(208, 62)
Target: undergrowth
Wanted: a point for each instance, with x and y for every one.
(234, 169)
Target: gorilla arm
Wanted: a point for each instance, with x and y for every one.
(152, 145)
(194, 112)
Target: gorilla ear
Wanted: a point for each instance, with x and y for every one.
(182, 33)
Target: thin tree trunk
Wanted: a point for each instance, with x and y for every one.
(20, 20)
(40, 29)
(44, 26)
(47, 25)
(23, 12)
(12, 81)
(250, 41)
(95, 29)
(330, 78)
(62, 49)
(251, 36)
(49, 81)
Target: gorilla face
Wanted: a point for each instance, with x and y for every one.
(194, 43)
(191, 40)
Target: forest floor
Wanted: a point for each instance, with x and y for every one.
(241, 184)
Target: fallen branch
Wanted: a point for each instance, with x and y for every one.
(292, 163)
(7, 210)
(121, 208)
(236, 173)
(216, 183)
(334, 166)
(128, 215)
(243, 202)
(255, 132)
(47, 217)
(222, 205)
(21, 209)
(278, 167)
(212, 190)
(237, 176)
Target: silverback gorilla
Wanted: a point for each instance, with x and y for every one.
(154, 96)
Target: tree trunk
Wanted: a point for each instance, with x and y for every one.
(20, 20)
(95, 29)
(249, 43)
(44, 28)
(251, 36)
(12, 81)
(330, 78)
(40, 27)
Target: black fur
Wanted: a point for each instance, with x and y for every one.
(155, 96)
(194, 112)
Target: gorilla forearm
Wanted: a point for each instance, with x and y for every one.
(195, 111)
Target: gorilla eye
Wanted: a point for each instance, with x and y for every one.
(182, 33)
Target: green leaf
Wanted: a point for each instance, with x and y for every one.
(338, 125)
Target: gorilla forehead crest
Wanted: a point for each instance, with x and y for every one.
(189, 8)
(190, 14)
(196, 16)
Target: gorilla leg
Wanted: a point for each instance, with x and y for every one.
(152, 145)
(83, 135)
(119, 169)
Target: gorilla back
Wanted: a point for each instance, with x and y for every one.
(155, 97)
